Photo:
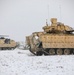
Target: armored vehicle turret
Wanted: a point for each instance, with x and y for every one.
(56, 39)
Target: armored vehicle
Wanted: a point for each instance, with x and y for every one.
(56, 39)
(6, 43)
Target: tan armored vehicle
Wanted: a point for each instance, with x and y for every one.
(57, 39)
(6, 43)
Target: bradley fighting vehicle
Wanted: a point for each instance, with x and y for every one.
(6, 43)
(56, 39)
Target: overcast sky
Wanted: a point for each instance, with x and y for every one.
(19, 18)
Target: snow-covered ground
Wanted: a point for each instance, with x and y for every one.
(22, 62)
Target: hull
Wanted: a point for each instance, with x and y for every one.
(51, 44)
(10, 44)
(57, 41)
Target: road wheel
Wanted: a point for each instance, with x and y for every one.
(66, 51)
(9, 48)
(73, 52)
(51, 51)
(59, 52)
(3, 48)
(0, 48)
(12, 48)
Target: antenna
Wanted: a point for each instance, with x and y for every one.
(48, 12)
(46, 23)
(60, 12)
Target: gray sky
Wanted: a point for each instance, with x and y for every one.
(19, 18)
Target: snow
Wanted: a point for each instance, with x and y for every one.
(22, 62)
